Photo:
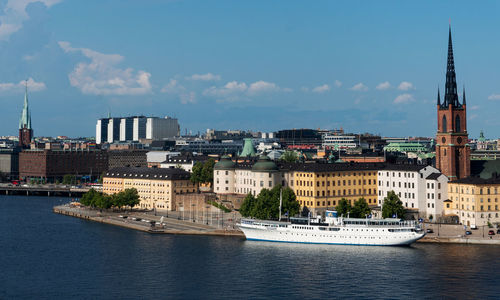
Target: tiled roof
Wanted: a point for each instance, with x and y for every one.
(149, 173)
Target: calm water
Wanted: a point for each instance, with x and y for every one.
(49, 256)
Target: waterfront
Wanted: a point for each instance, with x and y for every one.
(51, 256)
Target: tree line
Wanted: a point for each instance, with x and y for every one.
(95, 199)
(266, 205)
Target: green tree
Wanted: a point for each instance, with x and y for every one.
(392, 206)
(207, 172)
(360, 209)
(343, 207)
(289, 156)
(128, 197)
(266, 204)
(196, 176)
(68, 179)
(247, 205)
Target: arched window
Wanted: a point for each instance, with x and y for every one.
(444, 123)
(457, 123)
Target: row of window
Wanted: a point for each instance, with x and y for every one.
(326, 203)
(348, 192)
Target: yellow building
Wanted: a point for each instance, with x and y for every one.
(157, 188)
(321, 186)
(474, 200)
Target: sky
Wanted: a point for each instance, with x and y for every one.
(364, 66)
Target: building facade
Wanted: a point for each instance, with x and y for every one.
(474, 200)
(246, 177)
(420, 188)
(127, 158)
(321, 186)
(157, 188)
(136, 128)
(452, 148)
(52, 165)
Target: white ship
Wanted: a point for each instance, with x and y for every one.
(334, 230)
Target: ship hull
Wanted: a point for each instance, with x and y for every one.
(341, 236)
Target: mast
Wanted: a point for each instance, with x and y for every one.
(281, 203)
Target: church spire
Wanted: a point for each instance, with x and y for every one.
(439, 98)
(463, 97)
(25, 121)
(450, 96)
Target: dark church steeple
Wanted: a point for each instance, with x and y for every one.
(451, 95)
(452, 148)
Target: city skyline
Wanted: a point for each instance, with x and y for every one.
(253, 66)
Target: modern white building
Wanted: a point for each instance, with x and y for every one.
(409, 182)
(339, 141)
(135, 128)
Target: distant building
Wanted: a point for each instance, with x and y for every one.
(52, 165)
(9, 164)
(25, 130)
(137, 128)
(185, 161)
(331, 141)
(155, 158)
(157, 188)
(295, 137)
(127, 158)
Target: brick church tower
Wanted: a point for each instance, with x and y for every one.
(452, 148)
(25, 130)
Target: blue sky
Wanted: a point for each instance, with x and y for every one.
(366, 66)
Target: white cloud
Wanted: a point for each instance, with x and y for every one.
(33, 86)
(359, 87)
(172, 86)
(337, 83)
(235, 91)
(304, 89)
(204, 77)
(262, 86)
(404, 98)
(100, 76)
(321, 89)
(405, 86)
(189, 97)
(494, 97)
(383, 86)
(14, 15)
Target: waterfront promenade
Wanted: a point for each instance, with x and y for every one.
(219, 224)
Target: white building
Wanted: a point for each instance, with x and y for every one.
(245, 178)
(185, 162)
(435, 193)
(339, 141)
(113, 130)
(409, 182)
(160, 129)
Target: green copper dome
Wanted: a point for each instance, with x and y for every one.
(264, 164)
(248, 149)
(225, 163)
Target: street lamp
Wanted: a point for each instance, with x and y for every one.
(192, 210)
(207, 207)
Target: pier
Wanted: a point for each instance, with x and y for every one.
(43, 190)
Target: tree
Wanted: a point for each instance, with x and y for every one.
(392, 206)
(344, 207)
(360, 209)
(266, 204)
(203, 172)
(68, 179)
(247, 205)
(305, 211)
(289, 156)
(196, 173)
(128, 197)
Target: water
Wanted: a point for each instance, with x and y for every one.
(48, 256)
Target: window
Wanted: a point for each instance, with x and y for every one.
(444, 125)
(457, 123)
